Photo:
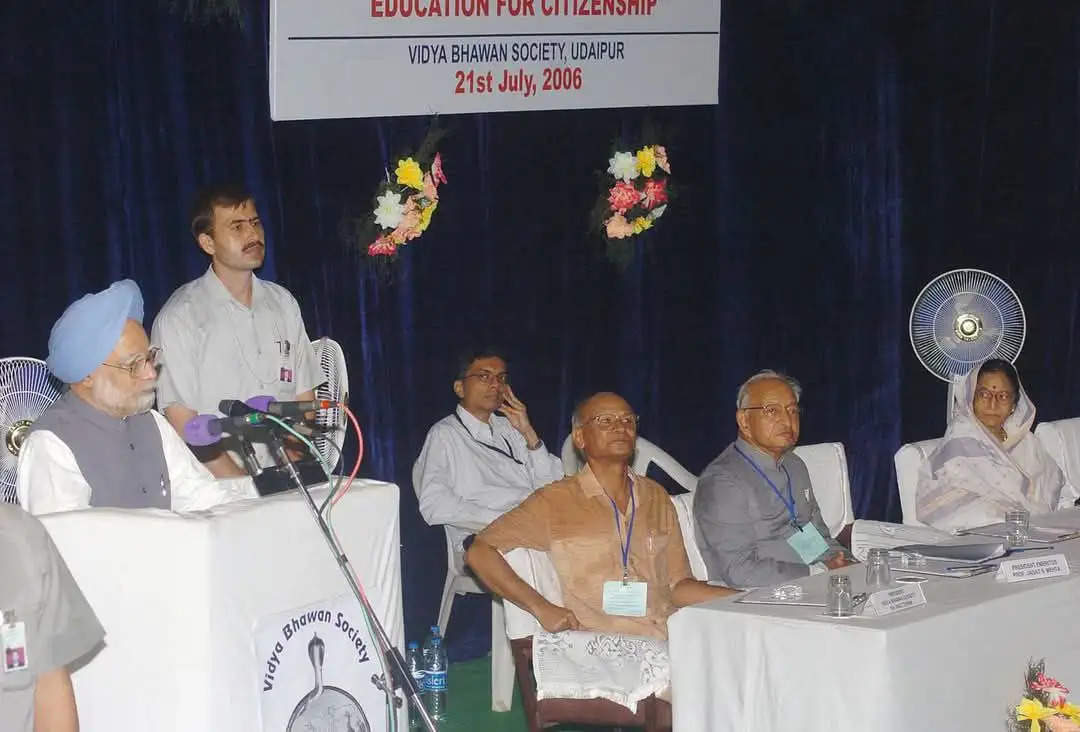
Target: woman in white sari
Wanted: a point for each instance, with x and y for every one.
(989, 462)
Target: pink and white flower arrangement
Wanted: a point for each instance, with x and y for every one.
(638, 195)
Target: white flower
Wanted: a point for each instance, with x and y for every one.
(624, 165)
(390, 210)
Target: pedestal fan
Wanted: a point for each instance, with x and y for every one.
(26, 389)
(960, 319)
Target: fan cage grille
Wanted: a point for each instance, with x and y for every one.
(26, 390)
(973, 292)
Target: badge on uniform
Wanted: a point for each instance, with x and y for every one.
(625, 598)
(808, 543)
(286, 375)
(13, 643)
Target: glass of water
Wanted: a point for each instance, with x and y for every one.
(838, 598)
(1016, 527)
(878, 574)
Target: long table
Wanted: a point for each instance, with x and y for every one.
(956, 663)
(180, 597)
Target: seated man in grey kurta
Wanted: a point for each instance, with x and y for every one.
(100, 443)
(757, 522)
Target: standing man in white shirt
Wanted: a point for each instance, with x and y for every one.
(485, 458)
(230, 335)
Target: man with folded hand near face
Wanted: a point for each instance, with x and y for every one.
(483, 459)
(612, 536)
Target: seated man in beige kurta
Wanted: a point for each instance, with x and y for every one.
(613, 537)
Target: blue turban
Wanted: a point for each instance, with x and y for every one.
(89, 329)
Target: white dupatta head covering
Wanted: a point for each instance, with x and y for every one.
(973, 478)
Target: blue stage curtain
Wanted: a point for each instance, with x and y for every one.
(858, 150)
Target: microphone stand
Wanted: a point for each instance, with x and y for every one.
(399, 673)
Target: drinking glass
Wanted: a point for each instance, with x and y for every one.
(838, 599)
(878, 574)
(1016, 527)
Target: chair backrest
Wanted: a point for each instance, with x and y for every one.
(908, 459)
(335, 388)
(826, 462)
(647, 453)
(1061, 438)
(539, 573)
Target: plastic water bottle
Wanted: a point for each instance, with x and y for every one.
(435, 675)
(415, 663)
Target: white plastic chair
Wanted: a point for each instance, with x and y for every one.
(460, 582)
(908, 459)
(646, 453)
(826, 462)
(1061, 438)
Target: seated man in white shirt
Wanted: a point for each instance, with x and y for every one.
(100, 443)
(475, 464)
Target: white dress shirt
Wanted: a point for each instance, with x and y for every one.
(469, 473)
(214, 347)
(50, 480)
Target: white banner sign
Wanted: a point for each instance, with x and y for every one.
(372, 58)
(316, 664)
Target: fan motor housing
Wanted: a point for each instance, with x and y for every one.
(16, 435)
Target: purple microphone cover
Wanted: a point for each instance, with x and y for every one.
(261, 402)
(197, 431)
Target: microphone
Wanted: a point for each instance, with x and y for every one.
(206, 429)
(287, 409)
(257, 405)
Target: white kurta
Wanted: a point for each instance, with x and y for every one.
(469, 473)
(50, 480)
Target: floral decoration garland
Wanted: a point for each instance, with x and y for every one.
(406, 204)
(640, 194)
(1044, 704)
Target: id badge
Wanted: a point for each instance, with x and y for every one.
(13, 644)
(625, 598)
(808, 543)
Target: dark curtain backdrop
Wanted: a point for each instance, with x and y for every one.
(858, 150)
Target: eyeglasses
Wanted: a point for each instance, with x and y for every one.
(607, 422)
(775, 411)
(486, 377)
(135, 366)
(988, 396)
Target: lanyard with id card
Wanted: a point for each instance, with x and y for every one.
(13, 643)
(623, 597)
(807, 541)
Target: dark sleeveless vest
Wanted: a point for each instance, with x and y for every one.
(122, 459)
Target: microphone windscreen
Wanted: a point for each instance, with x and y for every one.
(197, 431)
(261, 402)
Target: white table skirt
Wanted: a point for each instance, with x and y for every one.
(955, 664)
(179, 597)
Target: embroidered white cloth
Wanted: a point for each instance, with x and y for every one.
(579, 664)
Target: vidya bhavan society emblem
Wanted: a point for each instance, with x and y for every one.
(326, 708)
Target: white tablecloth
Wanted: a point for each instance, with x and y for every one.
(179, 597)
(956, 663)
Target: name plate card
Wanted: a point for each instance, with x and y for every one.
(1022, 570)
(887, 602)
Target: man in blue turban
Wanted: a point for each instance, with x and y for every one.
(101, 444)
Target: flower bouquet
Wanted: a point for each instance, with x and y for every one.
(634, 196)
(639, 195)
(1044, 705)
(405, 204)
